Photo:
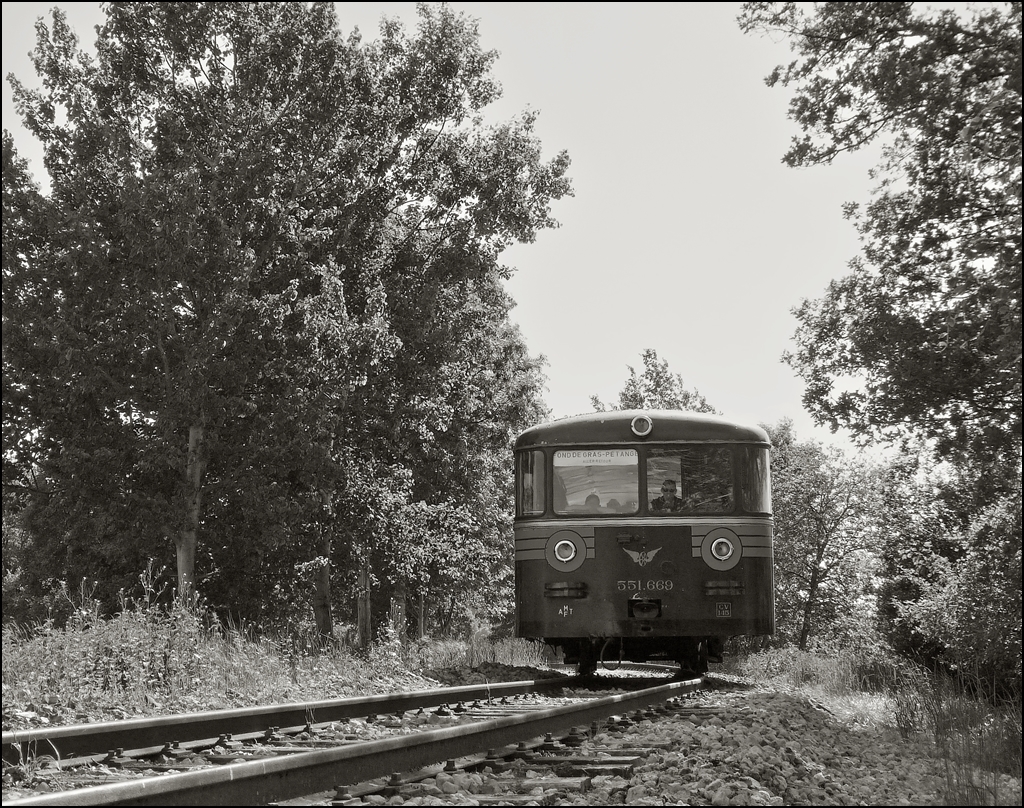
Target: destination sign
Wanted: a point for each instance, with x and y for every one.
(596, 457)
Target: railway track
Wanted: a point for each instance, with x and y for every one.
(308, 751)
(89, 742)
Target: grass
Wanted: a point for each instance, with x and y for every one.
(151, 660)
(433, 654)
(978, 739)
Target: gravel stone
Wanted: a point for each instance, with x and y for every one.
(769, 749)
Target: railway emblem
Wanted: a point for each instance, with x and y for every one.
(642, 557)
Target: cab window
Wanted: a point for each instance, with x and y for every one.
(596, 482)
(690, 480)
(530, 483)
(755, 480)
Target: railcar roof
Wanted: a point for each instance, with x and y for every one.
(614, 427)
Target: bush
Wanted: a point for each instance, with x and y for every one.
(841, 673)
(965, 614)
(428, 654)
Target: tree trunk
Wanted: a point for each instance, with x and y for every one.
(322, 594)
(185, 543)
(322, 580)
(364, 629)
(812, 594)
(186, 540)
(398, 603)
(421, 631)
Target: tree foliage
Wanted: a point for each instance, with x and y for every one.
(828, 532)
(925, 332)
(656, 387)
(922, 340)
(950, 591)
(260, 313)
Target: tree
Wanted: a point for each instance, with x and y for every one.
(89, 532)
(951, 583)
(23, 208)
(457, 394)
(985, 629)
(655, 388)
(446, 409)
(241, 200)
(925, 333)
(176, 193)
(827, 535)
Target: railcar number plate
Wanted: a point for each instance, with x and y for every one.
(723, 610)
(651, 585)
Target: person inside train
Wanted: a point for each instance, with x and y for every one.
(668, 501)
(593, 503)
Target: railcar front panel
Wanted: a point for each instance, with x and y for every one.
(643, 580)
(650, 528)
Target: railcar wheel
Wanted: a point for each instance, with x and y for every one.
(702, 659)
(715, 648)
(693, 659)
(587, 664)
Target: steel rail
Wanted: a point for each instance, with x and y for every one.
(282, 778)
(82, 740)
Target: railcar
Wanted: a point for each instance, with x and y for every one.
(643, 536)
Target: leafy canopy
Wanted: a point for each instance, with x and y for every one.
(925, 332)
(828, 524)
(266, 284)
(655, 388)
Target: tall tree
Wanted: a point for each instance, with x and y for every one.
(24, 208)
(446, 407)
(925, 332)
(237, 190)
(828, 532)
(178, 241)
(656, 387)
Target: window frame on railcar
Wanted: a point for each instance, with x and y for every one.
(746, 491)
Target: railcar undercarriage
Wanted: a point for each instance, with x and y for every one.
(692, 654)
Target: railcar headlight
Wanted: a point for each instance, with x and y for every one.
(641, 426)
(722, 549)
(565, 551)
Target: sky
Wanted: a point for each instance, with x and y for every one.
(685, 234)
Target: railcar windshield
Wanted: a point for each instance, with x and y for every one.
(596, 481)
(680, 479)
(690, 480)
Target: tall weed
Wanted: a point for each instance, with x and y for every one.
(979, 738)
(169, 655)
(838, 674)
